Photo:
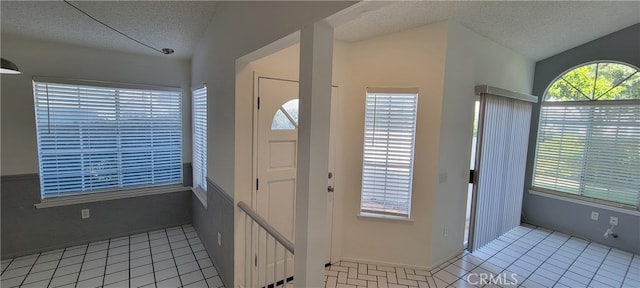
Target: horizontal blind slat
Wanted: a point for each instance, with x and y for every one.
(590, 150)
(199, 111)
(388, 152)
(93, 137)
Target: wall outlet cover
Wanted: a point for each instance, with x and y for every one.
(595, 215)
(613, 221)
(85, 213)
(219, 239)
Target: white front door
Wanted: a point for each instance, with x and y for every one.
(277, 153)
(277, 133)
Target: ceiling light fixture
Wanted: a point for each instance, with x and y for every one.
(8, 67)
(165, 51)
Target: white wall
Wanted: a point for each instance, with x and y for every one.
(471, 60)
(445, 61)
(40, 58)
(414, 58)
(237, 29)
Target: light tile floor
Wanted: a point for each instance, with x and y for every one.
(171, 257)
(525, 257)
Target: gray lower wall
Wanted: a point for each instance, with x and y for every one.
(26, 229)
(217, 218)
(567, 217)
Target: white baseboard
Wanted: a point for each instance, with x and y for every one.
(384, 263)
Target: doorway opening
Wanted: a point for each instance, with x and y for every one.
(471, 173)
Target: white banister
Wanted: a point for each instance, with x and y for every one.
(259, 261)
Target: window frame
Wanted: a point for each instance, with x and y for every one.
(101, 194)
(579, 198)
(199, 189)
(384, 211)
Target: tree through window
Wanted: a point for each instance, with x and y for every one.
(589, 135)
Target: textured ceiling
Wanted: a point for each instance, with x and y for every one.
(536, 29)
(161, 24)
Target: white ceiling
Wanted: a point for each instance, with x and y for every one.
(536, 29)
(161, 24)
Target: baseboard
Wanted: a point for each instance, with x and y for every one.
(383, 263)
(446, 260)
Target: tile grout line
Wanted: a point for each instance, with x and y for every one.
(624, 278)
(600, 265)
(519, 238)
(5, 268)
(106, 258)
(194, 256)
(572, 262)
(512, 242)
(82, 259)
(30, 268)
(628, 269)
(56, 269)
(483, 261)
(545, 260)
(81, 265)
(153, 268)
(174, 258)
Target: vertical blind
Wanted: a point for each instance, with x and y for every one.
(590, 149)
(502, 149)
(200, 138)
(93, 138)
(390, 123)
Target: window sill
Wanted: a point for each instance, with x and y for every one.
(201, 195)
(390, 218)
(585, 202)
(110, 195)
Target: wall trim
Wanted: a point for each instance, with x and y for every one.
(219, 189)
(385, 263)
(20, 177)
(585, 202)
(110, 195)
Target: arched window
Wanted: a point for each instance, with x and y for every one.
(286, 117)
(588, 142)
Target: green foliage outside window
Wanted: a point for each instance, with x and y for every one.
(597, 81)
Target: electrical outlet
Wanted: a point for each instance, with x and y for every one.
(595, 215)
(85, 213)
(613, 221)
(219, 239)
(445, 231)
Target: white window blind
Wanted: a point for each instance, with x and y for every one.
(93, 139)
(590, 149)
(200, 139)
(390, 123)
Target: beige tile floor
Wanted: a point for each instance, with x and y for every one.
(173, 257)
(525, 257)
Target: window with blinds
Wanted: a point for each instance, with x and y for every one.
(102, 138)
(589, 135)
(389, 134)
(200, 141)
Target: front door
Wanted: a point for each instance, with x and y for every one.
(276, 160)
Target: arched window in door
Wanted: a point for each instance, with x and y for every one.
(286, 117)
